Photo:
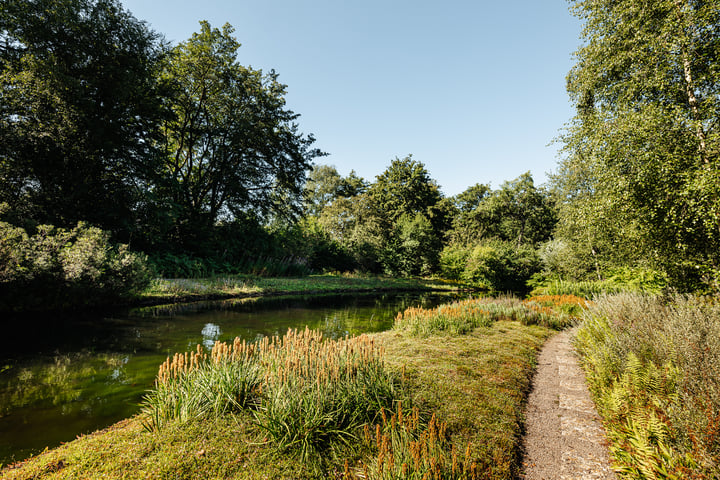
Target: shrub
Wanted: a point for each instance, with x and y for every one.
(653, 366)
(501, 266)
(55, 268)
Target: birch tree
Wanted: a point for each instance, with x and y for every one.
(646, 86)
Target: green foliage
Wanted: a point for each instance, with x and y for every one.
(639, 181)
(232, 147)
(616, 280)
(324, 185)
(494, 264)
(517, 212)
(55, 268)
(653, 367)
(81, 103)
(396, 226)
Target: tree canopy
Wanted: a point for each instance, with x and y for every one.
(80, 105)
(232, 146)
(641, 155)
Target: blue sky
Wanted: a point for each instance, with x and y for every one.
(475, 90)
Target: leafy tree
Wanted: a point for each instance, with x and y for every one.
(80, 103)
(518, 212)
(647, 91)
(324, 185)
(232, 147)
(355, 224)
(405, 187)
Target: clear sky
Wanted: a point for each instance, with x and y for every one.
(473, 89)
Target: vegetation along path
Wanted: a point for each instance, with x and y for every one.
(564, 437)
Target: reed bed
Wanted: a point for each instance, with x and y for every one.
(462, 317)
(310, 395)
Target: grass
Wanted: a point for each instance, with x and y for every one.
(451, 408)
(653, 367)
(242, 285)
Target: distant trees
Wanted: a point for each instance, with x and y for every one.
(496, 234)
(640, 181)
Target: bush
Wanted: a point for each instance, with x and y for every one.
(653, 366)
(56, 268)
(494, 264)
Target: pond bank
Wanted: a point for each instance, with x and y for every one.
(476, 384)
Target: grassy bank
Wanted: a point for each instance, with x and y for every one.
(439, 402)
(653, 367)
(172, 290)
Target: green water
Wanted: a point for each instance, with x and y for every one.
(62, 376)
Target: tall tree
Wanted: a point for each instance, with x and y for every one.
(647, 90)
(233, 147)
(517, 212)
(324, 185)
(80, 104)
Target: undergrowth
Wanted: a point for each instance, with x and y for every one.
(653, 366)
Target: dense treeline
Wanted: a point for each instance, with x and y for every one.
(184, 154)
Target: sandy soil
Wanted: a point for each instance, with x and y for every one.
(564, 437)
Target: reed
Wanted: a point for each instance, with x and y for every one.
(308, 394)
(464, 316)
(405, 447)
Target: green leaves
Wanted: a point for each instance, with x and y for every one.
(634, 183)
(232, 146)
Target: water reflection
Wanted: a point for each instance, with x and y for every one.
(66, 375)
(211, 334)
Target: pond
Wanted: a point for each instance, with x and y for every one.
(67, 375)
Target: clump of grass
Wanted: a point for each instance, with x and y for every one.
(653, 366)
(462, 317)
(310, 395)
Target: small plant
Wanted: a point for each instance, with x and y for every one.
(404, 447)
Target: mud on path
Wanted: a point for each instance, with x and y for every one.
(564, 438)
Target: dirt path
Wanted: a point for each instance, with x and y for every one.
(564, 438)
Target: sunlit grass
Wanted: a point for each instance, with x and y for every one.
(238, 285)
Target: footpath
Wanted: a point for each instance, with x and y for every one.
(564, 437)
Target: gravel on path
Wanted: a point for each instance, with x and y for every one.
(564, 438)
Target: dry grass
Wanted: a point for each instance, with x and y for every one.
(653, 365)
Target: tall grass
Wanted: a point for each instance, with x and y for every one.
(462, 317)
(311, 396)
(406, 448)
(653, 365)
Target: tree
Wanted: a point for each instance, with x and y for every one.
(517, 212)
(647, 91)
(232, 147)
(405, 187)
(80, 104)
(324, 185)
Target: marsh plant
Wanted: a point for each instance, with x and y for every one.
(404, 446)
(459, 318)
(309, 395)
(653, 365)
